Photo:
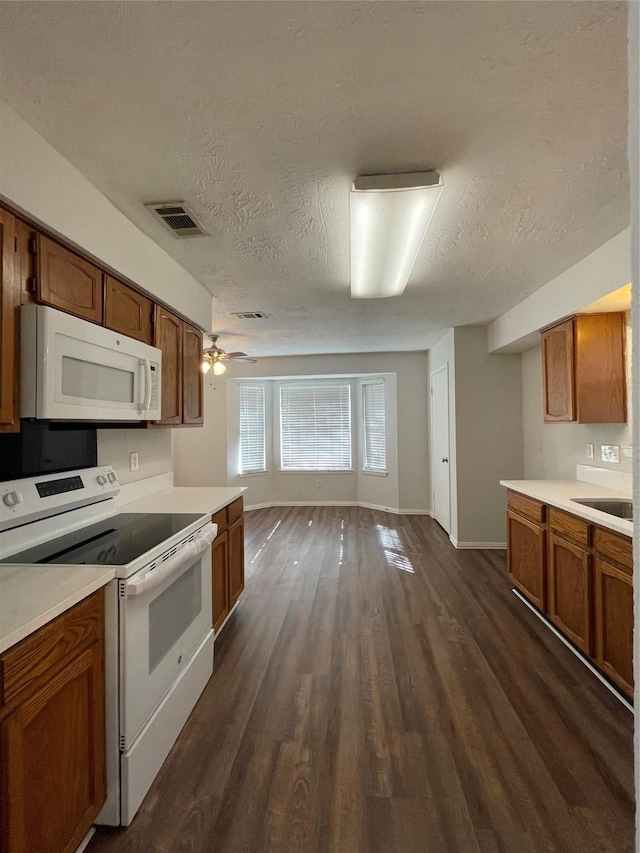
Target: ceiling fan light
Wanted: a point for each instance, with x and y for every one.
(206, 366)
(219, 368)
(390, 215)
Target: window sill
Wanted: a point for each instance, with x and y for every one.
(374, 473)
(254, 474)
(316, 471)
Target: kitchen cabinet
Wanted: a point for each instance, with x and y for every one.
(526, 547)
(227, 561)
(614, 607)
(580, 575)
(583, 369)
(66, 281)
(127, 311)
(168, 336)
(52, 733)
(9, 325)
(192, 376)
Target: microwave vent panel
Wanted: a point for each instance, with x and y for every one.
(177, 217)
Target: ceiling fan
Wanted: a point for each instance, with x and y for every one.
(214, 357)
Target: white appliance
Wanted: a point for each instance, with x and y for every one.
(71, 369)
(159, 636)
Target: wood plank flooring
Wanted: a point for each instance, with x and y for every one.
(377, 691)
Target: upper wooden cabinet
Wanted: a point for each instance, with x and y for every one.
(127, 311)
(192, 376)
(9, 324)
(168, 336)
(583, 369)
(68, 282)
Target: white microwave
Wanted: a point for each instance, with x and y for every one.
(73, 370)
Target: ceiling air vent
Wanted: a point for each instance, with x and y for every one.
(177, 217)
(250, 315)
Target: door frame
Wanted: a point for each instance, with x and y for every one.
(442, 367)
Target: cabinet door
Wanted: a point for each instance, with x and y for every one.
(53, 761)
(220, 579)
(236, 560)
(68, 282)
(168, 338)
(614, 624)
(192, 376)
(558, 373)
(570, 591)
(526, 560)
(127, 311)
(9, 327)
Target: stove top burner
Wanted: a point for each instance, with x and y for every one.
(114, 541)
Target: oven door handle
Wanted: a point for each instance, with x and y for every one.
(174, 566)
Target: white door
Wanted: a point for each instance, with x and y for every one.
(440, 447)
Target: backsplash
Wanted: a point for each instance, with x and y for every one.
(153, 447)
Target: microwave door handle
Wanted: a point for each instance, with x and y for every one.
(146, 405)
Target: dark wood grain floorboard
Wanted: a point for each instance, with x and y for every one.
(377, 691)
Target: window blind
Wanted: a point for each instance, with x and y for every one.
(374, 456)
(252, 429)
(315, 426)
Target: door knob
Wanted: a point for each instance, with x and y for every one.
(444, 459)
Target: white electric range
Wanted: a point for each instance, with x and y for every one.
(159, 639)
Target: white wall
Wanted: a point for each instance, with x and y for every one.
(485, 433)
(39, 182)
(606, 269)
(209, 456)
(552, 451)
(153, 447)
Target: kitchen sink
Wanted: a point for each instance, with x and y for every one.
(613, 506)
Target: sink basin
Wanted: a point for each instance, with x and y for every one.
(613, 506)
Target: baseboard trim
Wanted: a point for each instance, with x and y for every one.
(363, 504)
(484, 546)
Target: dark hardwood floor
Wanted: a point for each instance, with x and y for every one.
(377, 690)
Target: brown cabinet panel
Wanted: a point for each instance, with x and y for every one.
(127, 311)
(600, 369)
(220, 518)
(614, 548)
(235, 510)
(220, 579)
(236, 560)
(570, 591)
(614, 624)
(570, 526)
(9, 324)
(168, 338)
(192, 376)
(68, 282)
(526, 561)
(529, 507)
(558, 373)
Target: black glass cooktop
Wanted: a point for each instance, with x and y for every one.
(115, 541)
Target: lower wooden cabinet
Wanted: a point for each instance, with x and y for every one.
(52, 735)
(614, 623)
(227, 561)
(570, 591)
(526, 561)
(581, 576)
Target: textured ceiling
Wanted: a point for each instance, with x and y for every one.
(259, 116)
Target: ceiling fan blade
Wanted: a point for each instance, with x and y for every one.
(245, 358)
(236, 355)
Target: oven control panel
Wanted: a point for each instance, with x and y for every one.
(33, 498)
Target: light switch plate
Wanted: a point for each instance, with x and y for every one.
(610, 452)
(627, 452)
(589, 451)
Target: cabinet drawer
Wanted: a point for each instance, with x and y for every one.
(528, 507)
(570, 526)
(23, 665)
(614, 547)
(220, 518)
(235, 510)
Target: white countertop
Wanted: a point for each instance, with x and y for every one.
(558, 493)
(192, 499)
(31, 596)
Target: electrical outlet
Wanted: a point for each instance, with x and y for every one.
(133, 461)
(318, 484)
(589, 451)
(610, 452)
(627, 452)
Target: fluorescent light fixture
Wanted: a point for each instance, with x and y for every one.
(389, 218)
